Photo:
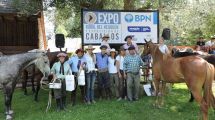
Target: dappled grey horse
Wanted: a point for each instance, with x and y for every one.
(11, 67)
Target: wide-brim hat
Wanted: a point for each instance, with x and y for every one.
(129, 36)
(113, 50)
(131, 47)
(90, 47)
(79, 50)
(122, 48)
(105, 36)
(61, 54)
(213, 37)
(103, 46)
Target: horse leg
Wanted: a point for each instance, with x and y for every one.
(156, 86)
(8, 92)
(32, 79)
(199, 99)
(37, 90)
(191, 97)
(162, 92)
(24, 82)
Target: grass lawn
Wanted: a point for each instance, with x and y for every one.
(176, 107)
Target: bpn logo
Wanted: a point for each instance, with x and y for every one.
(129, 18)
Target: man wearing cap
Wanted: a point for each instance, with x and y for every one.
(90, 73)
(129, 43)
(102, 65)
(131, 67)
(211, 45)
(76, 63)
(105, 39)
(59, 70)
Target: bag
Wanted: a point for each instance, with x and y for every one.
(81, 78)
(55, 85)
(147, 89)
(70, 82)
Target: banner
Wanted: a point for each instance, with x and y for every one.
(118, 24)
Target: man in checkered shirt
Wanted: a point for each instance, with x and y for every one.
(131, 67)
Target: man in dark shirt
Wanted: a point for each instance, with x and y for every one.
(200, 42)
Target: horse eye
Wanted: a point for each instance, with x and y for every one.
(45, 62)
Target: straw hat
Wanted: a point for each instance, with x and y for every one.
(105, 36)
(113, 50)
(61, 54)
(90, 47)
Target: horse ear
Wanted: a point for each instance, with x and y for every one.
(150, 40)
(145, 41)
(66, 50)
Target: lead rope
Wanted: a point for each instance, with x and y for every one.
(50, 95)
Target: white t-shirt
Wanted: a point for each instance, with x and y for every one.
(111, 67)
(209, 43)
(163, 48)
(90, 63)
(121, 60)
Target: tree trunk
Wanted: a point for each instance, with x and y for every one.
(129, 4)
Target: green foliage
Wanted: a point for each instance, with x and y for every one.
(27, 7)
(176, 106)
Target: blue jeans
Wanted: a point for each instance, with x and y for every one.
(90, 77)
(212, 52)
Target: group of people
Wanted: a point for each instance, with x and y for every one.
(117, 73)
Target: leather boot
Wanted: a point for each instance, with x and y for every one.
(58, 105)
(64, 103)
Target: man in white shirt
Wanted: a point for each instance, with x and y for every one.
(211, 45)
(162, 47)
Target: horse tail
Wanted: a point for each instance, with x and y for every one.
(208, 94)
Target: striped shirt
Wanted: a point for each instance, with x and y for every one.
(132, 63)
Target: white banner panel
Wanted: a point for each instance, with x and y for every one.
(118, 24)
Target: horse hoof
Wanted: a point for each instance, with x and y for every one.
(9, 117)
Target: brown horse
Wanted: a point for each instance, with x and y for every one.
(193, 70)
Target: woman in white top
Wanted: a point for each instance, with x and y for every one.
(105, 39)
(113, 72)
(90, 73)
(122, 79)
(162, 47)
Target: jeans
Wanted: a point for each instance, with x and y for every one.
(90, 77)
(133, 84)
(115, 84)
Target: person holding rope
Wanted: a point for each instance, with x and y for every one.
(59, 70)
(77, 63)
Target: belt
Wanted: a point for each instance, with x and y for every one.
(103, 70)
(135, 73)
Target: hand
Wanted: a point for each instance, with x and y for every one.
(120, 76)
(125, 75)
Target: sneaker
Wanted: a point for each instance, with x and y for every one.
(119, 99)
(88, 102)
(93, 101)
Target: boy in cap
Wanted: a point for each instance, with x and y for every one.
(129, 43)
(105, 39)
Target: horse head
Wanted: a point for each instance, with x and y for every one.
(41, 62)
(147, 47)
